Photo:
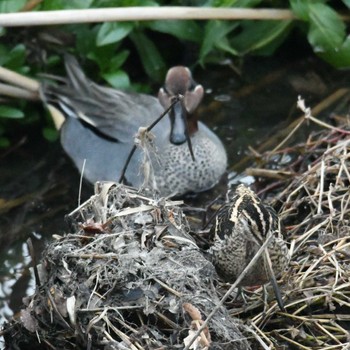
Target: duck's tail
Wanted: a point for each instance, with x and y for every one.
(76, 77)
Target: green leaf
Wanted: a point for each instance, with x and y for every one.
(102, 55)
(327, 31)
(247, 3)
(118, 60)
(112, 32)
(4, 142)
(86, 38)
(347, 3)
(11, 5)
(184, 30)
(53, 60)
(123, 3)
(3, 54)
(225, 45)
(215, 32)
(106, 57)
(50, 134)
(141, 88)
(151, 58)
(300, 9)
(109, 62)
(118, 79)
(10, 112)
(16, 57)
(232, 3)
(13, 59)
(263, 37)
(52, 5)
(339, 57)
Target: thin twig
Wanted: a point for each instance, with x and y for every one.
(168, 288)
(81, 182)
(319, 207)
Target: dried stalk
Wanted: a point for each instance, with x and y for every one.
(140, 14)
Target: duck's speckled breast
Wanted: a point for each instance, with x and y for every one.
(176, 172)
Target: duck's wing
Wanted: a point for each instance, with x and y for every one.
(113, 113)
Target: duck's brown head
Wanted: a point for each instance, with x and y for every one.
(179, 84)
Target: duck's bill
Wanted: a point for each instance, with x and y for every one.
(178, 124)
(179, 127)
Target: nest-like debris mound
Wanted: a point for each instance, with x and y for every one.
(129, 277)
(311, 184)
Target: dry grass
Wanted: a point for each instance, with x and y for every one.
(313, 201)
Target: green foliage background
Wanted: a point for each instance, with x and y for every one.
(116, 52)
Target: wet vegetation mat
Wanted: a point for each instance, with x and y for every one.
(131, 275)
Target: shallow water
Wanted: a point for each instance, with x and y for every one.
(41, 185)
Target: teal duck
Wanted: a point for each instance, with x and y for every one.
(101, 123)
(242, 225)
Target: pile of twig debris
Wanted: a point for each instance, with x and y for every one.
(129, 277)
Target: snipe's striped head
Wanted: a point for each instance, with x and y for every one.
(245, 211)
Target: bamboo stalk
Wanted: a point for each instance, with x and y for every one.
(139, 14)
(19, 79)
(15, 92)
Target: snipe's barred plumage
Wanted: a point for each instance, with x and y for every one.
(242, 226)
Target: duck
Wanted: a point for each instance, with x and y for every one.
(100, 124)
(242, 225)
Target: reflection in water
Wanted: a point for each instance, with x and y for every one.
(16, 280)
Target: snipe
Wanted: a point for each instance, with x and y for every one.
(242, 225)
